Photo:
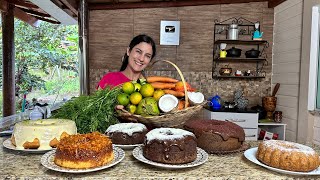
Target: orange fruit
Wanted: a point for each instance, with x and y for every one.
(131, 108)
(135, 98)
(158, 93)
(147, 90)
(128, 87)
(123, 99)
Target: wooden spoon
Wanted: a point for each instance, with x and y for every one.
(275, 89)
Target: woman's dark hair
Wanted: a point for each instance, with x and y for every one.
(136, 40)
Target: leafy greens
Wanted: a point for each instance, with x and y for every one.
(91, 113)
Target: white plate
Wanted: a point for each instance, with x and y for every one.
(127, 147)
(47, 161)
(7, 144)
(202, 157)
(250, 154)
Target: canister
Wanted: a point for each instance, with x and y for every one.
(233, 32)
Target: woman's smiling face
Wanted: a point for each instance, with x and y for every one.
(139, 56)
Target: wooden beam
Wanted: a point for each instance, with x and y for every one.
(70, 5)
(46, 19)
(30, 11)
(8, 62)
(18, 13)
(163, 4)
(274, 3)
(23, 16)
(22, 4)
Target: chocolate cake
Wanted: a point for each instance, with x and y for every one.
(127, 133)
(216, 136)
(170, 146)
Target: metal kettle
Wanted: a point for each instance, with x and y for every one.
(233, 32)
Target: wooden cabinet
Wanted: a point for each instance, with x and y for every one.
(279, 128)
(248, 121)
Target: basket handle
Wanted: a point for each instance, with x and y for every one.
(182, 78)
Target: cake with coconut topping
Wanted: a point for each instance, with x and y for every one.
(170, 146)
(288, 156)
(127, 133)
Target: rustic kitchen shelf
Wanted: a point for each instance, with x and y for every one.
(246, 29)
(246, 42)
(236, 59)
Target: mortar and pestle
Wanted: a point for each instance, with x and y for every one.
(270, 102)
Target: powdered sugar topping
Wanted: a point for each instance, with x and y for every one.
(167, 134)
(288, 146)
(127, 128)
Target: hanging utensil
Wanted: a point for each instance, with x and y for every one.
(275, 89)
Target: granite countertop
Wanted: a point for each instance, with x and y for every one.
(21, 165)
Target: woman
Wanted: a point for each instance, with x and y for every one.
(140, 52)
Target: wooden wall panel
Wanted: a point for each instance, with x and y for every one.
(286, 61)
(109, 32)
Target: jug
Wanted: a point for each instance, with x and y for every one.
(233, 32)
(215, 102)
(257, 35)
(36, 113)
(223, 53)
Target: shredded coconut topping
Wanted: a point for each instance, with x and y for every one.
(167, 134)
(288, 146)
(127, 128)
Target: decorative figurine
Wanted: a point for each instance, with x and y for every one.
(257, 35)
(240, 100)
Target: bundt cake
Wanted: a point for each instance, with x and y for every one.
(170, 146)
(83, 151)
(127, 133)
(288, 156)
(216, 136)
(41, 134)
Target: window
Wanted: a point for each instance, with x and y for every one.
(314, 66)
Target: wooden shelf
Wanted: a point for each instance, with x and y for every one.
(246, 42)
(239, 77)
(239, 59)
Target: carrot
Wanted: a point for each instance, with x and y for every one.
(161, 85)
(151, 79)
(181, 104)
(173, 92)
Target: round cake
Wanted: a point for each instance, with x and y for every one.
(41, 134)
(170, 146)
(82, 151)
(288, 156)
(127, 133)
(216, 136)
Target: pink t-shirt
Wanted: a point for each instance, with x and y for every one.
(112, 79)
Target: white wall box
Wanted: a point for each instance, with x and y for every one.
(169, 32)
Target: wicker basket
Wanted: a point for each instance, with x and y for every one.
(173, 119)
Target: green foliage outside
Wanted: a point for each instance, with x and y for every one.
(41, 53)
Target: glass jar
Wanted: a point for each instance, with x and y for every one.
(277, 116)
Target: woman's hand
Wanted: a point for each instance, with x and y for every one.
(119, 107)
